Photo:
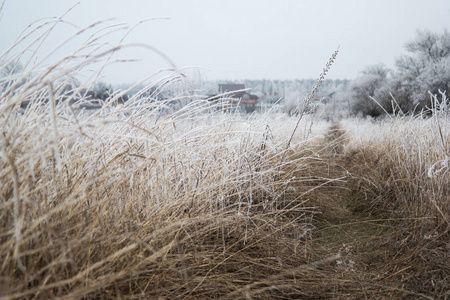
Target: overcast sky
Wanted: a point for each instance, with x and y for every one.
(244, 39)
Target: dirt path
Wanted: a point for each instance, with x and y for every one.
(360, 261)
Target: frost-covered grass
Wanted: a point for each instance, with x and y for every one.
(152, 199)
(143, 199)
(400, 170)
(412, 154)
(112, 205)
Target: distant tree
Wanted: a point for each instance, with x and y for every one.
(425, 68)
(102, 90)
(11, 69)
(367, 87)
(7, 72)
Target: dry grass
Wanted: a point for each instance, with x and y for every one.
(141, 199)
(400, 175)
(120, 203)
(151, 200)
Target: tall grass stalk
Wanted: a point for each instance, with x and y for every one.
(308, 98)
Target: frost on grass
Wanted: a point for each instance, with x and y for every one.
(143, 197)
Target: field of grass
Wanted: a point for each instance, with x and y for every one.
(141, 200)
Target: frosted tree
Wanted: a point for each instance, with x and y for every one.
(367, 87)
(425, 68)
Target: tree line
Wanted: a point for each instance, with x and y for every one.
(423, 71)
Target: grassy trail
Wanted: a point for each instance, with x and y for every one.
(354, 254)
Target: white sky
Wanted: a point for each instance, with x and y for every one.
(245, 39)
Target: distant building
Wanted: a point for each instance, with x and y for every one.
(239, 99)
(231, 87)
